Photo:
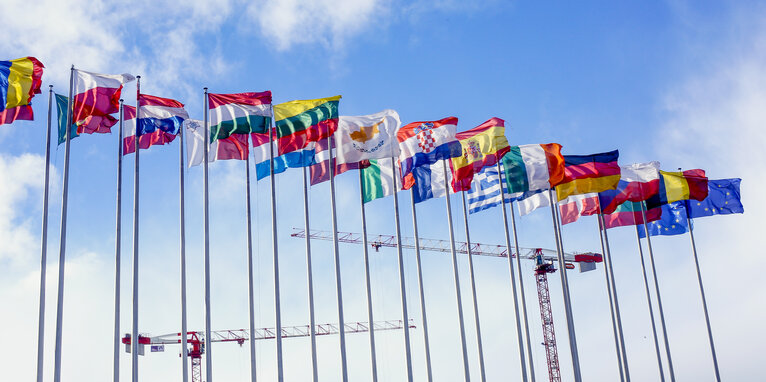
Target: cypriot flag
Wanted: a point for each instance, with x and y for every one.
(367, 137)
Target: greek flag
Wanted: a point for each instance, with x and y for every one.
(485, 190)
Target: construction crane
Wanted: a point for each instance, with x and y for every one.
(196, 339)
(544, 263)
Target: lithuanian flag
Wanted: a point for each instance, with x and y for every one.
(303, 121)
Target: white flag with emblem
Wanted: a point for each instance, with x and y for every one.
(366, 137)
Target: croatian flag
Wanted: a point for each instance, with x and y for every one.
(97, 95)
(425, 143)
(159, 121)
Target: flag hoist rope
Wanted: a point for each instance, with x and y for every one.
(651, 310)
(511, 255)
(310, 282)
(614, 305)
(44, 245)
(482, 372)
(368, 288)
(426, 340)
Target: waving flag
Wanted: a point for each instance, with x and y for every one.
(378, 179)
(293, 159)
(672, 222)
(232, 147)
(303, 121)
(425, 143)
(575, 206)
(533, 167)
(638, 182)
(429, 181)
(239, 113)
(320, 171)
(683, 185)
(629, 213)
(485, 190)
(97, 95)
(159, 121)
(482, 146)
(589, 173)
(20, 80)
(723, 198)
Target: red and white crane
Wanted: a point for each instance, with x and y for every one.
(196, 339)
(544, 264)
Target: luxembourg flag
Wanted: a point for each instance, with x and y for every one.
(97, 94)
(159, 121)
(294, 159)
(429, 181)
(425, 143)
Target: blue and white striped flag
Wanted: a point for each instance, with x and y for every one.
(485, 191)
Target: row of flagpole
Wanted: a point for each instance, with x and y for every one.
(523, 358)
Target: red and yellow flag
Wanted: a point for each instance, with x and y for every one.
(482, 146)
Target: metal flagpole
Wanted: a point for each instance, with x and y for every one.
(704, 300)
(117, 251)
(367, 280)
(466, 369)
(617, 350)
(44, 245)
(310, 282)
(206, 248)
(134, 330)
(482, 372)
(182, 250)
(651, 310)
(336, 257)
(523, 297)
(275, 249)
(565, 290)
(250, 283)
(426, 340)
(510, 252)
(613, 300)
(62, 237)
(659, 298)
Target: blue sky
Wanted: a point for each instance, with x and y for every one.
(675, 81)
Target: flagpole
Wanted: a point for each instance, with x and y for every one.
(275, 249)
(521, 292)
(250, 283)
(117, 252)
(367, 280)
(310, 282)
(44, 245)
(657, 291)
(510, 253)
(704, 300)
(614, 303)
(426, 340)
(206, 248)
(651, 310)
(182, 250)
(565, 290)
(482, 372)
(134, 331)
(466, 369)
(336, 257)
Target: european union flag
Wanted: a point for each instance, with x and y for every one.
(723, 199)
(672, 222)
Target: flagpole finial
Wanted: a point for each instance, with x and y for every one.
(679, 169)
(50, 87)
(121, 100)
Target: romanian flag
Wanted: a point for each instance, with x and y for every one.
(589, 173)
(629, 213)
(304, 121)
(533, 167)
(239, 113)
(20, 80)
(678, 185)
(482, 146)
(638, 182)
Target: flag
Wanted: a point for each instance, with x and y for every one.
(532, 200)
(425, 143)
(20, 80)
(677, 185)
(485, 190)
(723, 198)
(589, 173)
(96, 95)
(638, 182)
(378, 179)
(294, 159)
(320, 170)
(574, 206)
(429, 181)
(238, 113)
(366, 137)
(481, 146)
(533, 167)
(62, 102)
(629, 213)
(672, 222)
(232, 147)
(159, 121)
(303, 121)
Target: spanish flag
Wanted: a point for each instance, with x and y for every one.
(20, 80)
(482, 146)
(589, 173)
